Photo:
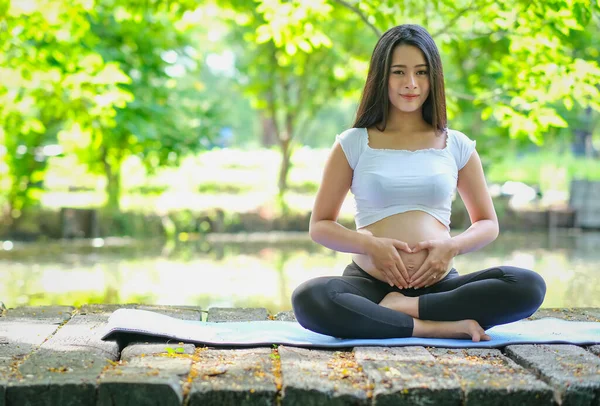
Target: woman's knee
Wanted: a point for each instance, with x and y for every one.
(310, 301)
(530, 285)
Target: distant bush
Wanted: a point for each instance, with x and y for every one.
(304, 187)
(214, 187)
(148, 190)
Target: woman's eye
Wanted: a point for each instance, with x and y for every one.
(423, 72)
(397, 72)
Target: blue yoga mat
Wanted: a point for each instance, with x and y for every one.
(260, 333)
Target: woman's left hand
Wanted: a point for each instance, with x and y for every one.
(440, 254)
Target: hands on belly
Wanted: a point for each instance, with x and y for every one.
(404, 266)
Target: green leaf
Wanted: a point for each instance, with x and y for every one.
(568, 102)
(548, 117)
(305, 46)
(486, 113)
(290, 48)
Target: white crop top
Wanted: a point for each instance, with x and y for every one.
(389, 181)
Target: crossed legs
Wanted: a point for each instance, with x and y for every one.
(356, 305)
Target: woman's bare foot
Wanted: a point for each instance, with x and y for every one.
(397, 301)
(450, 329)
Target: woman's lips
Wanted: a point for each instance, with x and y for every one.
(409, 97)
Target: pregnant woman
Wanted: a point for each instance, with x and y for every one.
(403, 165)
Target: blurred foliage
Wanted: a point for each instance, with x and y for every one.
(49, 78)
(103, 80)
(214, 187)
(277, 48)
(512, 67)
(109, 80)
(166, 118)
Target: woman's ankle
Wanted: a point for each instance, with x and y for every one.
(424, 328)
(400, 303)
(460, 329)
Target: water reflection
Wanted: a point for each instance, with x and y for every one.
(258, 273)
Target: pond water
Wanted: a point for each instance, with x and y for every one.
(257, 270)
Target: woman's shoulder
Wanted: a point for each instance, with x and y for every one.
(461, 146)
(354, 133)
(355, 137)
(353, 142)
(458, 136)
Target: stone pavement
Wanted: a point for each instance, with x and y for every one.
(52, 356)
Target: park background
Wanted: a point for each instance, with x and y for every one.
(168, 152)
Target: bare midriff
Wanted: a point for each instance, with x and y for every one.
(410, 227)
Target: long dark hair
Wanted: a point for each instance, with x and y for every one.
(374, 104)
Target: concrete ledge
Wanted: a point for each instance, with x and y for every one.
(52, 356)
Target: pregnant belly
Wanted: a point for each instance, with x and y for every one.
(412, 263)
(411, 227)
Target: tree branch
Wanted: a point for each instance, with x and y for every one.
(456, 17)
(356, 10)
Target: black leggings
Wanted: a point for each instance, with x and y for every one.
(347, 306)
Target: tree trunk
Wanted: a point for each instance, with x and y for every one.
(21, 170)
(269, 133)
(18, 196)
(285, 166)
(113, 183)
(285, 142)
(113, 190)
(12, 205)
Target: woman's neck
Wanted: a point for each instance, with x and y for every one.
(402, 122)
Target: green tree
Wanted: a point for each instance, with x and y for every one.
(291, 72)
(49, 79)
(508, 63)
(105, 79)
(167, 117)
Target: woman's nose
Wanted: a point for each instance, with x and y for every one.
(410, 82)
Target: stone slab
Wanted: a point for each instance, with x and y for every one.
(489, 378)
(66, 366)
(21, 338)
(408, 376)
(147, 375)
(22, 331)
(43, 314)
(317, 377)
(573, 372)
(181, 312)
(225, 314)
(574, 314)
(143, 350)
(232, 377)
(103, 308)
(71, 367)
(285, 316)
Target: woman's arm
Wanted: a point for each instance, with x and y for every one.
(325, 230)
(335, 184)
(473, 190)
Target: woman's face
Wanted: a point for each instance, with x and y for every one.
(408, 84)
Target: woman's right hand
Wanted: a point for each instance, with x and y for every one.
(383, 253)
